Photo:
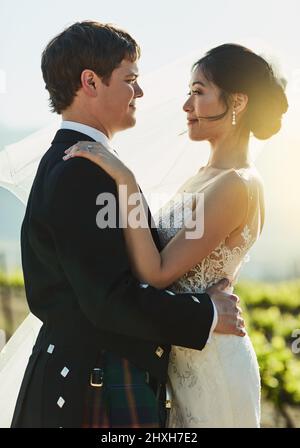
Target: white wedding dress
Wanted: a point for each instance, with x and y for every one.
(220, 385)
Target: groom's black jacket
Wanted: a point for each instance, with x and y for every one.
(78, 282)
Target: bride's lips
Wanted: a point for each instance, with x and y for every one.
(132, 106)
(191, 121)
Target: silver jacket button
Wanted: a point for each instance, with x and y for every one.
(60, 402)
(64, 372)
(159, 352)
(50, 349)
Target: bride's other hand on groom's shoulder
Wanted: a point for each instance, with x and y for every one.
(230, 319)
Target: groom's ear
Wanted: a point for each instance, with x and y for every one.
(88, 82)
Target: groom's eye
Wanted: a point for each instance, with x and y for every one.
(131, 81)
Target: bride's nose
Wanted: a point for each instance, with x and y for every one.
(187, 107)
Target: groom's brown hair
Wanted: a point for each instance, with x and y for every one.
(83, 45)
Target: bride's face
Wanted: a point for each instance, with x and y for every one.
(204, 101)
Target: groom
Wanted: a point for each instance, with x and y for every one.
(101, 357)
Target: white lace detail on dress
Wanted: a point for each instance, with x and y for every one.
(222, 262)
(220, 385)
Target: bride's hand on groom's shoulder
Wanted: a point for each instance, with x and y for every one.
(101, 156)
(230, 319)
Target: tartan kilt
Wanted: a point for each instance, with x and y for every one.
(125, 400)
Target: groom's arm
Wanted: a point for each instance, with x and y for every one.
(96, 265)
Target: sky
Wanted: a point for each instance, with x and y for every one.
(166, 30)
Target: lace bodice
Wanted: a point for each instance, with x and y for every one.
(225, 260)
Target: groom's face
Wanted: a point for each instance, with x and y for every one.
(117, 100)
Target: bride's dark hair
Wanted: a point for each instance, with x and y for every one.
(236, 69)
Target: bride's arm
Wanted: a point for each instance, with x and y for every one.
(225, 205)
(224, 209)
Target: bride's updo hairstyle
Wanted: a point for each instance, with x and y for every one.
(236, 69)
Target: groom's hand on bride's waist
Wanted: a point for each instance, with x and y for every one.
(230, 319)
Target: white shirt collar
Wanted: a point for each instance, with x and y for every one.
(93, 133)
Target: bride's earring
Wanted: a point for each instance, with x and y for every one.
(233, 117)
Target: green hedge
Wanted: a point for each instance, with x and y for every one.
(285, 295)
(272, 313)
(14, 280)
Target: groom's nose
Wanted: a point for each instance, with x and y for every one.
(138, 92)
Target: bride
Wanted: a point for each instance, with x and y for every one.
(233, 92)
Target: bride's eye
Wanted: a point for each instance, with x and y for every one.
(194, 92)
(131, 81)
